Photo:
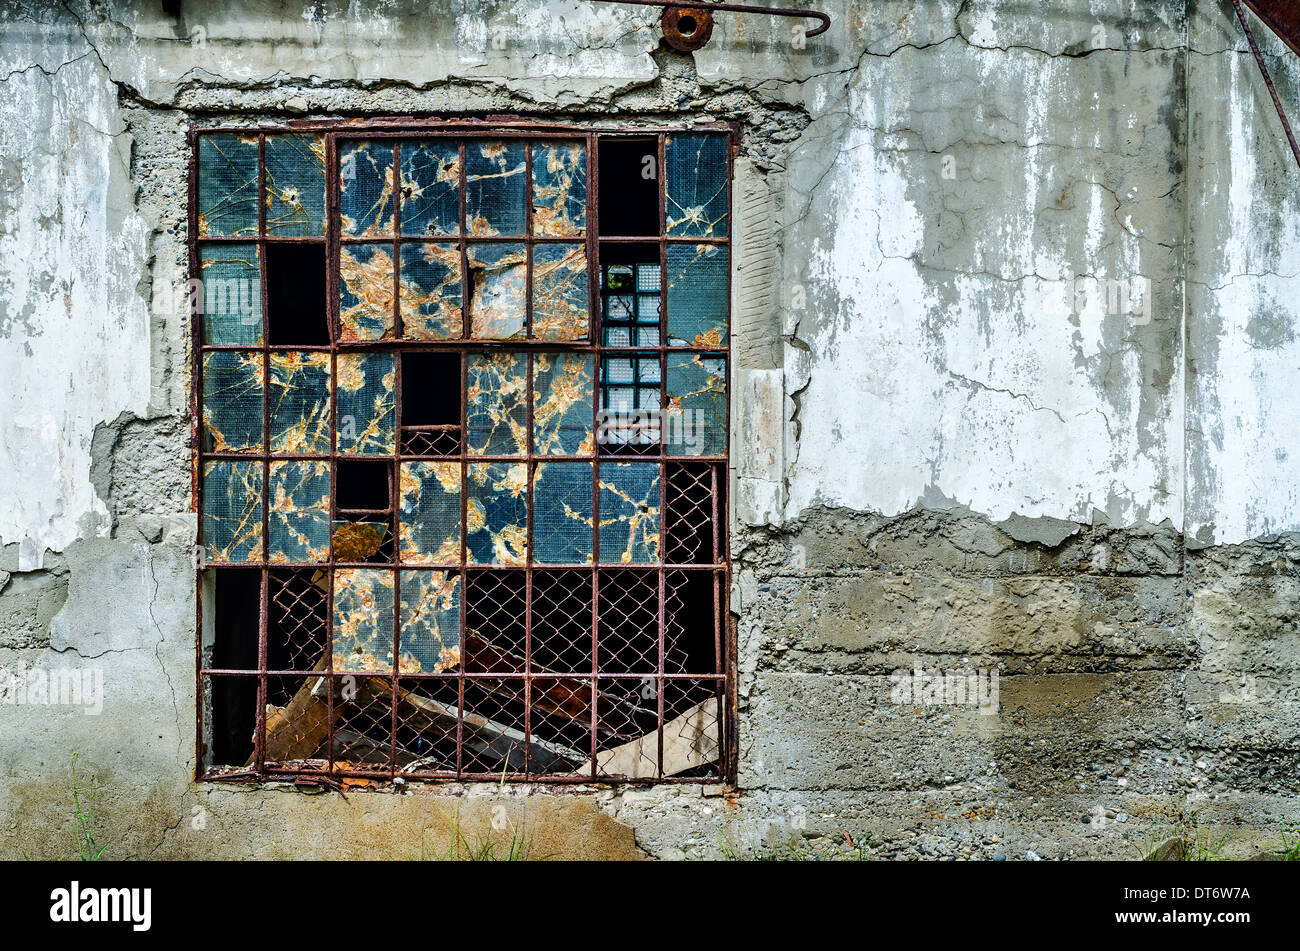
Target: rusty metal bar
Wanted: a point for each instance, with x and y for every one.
(1268, 79)
(822, 18)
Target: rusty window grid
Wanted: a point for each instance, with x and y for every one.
(707, 476)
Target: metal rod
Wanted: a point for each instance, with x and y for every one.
(739, 8)
(1268, 80)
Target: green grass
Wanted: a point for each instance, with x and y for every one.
(1290, 851)
(83, 819)
(1197, 845)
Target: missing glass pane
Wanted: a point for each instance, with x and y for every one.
(629, 187)
(295, 294)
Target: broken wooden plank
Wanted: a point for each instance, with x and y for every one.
(486, 736)
(690, 741)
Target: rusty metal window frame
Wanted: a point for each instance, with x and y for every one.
(710, 472)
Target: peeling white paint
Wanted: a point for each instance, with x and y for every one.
(74, 332)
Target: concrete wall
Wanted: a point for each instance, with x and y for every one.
(958, 452)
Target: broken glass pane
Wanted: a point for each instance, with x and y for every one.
(359, 540)
(366, 200)
(629, 512)
(430, 513)
(695, 421)
(363, 619)
(496, 389)
(227, 185)
(431, 291)
(295, 185)
(232, 401)
(496, 512)
(696, 185)
(430, 187)
(299, 515)
(559, 188)
(494, 187)
(366, 278)
(231, 294)
(562, 411)
(300, 402)
(562, 517)
(232, 511)
(498, 277)
(560, 305)
(366, 404)
(430, 621)
(698, 285)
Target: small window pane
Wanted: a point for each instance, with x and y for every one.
(366, 200)
(366, 279)
(231, 294)
(629, 512)
(494, 187)
(227, 202)
(232, 511)
(295, 185)
(559, 188)
(299, 512)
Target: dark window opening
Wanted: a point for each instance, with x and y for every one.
(296, 312)
(629, 187)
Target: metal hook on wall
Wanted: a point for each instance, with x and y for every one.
(688, 24)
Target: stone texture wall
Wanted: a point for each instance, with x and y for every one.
(952, 450)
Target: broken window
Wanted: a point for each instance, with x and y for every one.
(461, 402)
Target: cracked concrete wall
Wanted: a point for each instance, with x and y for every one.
(953, 449)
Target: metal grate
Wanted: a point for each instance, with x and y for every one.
(474, 450)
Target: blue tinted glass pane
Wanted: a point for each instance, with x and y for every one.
(431, 291)
(232, 511)
(430, 187)
(366, 403)
(299, 402)
(298, 517)
(366, 281)
(496, 513)
(560, 304)
(232, 401)
(696, 185)
(695, 423)
(629, 512)
(430, 513)
(496, 388)
(697, 295)
(363, 619)
(295, 185)
(562, 410)
(430, 621)
(366, 200)
(231, 294)
(562, 513)
(227, 202)
(494, 187)
(559, 188)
